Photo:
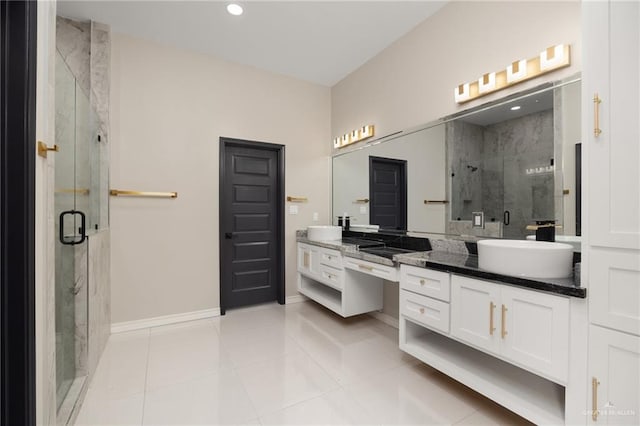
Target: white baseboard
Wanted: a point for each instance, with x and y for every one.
(386, 318)
(295, 299)
(120, 327)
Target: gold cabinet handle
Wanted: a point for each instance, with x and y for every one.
(421, 282)
(596, 115)
(436, 201)
(422, 311)
(492, 328)
(43, 149)
(594, 399)
(503, 332)
(305, 262)
(362, 201)
(365, 267)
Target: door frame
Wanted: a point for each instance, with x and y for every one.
(402, 163)
(280, 182)
(17, 191)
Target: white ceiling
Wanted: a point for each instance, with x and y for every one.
(317, 41)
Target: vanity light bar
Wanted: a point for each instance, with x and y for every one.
(364, 132)
(551, 59)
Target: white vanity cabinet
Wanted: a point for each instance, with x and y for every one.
(510, 344)
(527, 328)
(323, 278)
(611, 212)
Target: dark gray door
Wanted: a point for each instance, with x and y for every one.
(251, 223)
(388, 193)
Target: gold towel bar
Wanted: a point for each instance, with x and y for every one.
(79, 191)
(119, 192)
(297, 199)
(436, 201)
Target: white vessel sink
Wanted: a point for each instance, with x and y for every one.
(324, 233)
(575, 241)
(526, 258)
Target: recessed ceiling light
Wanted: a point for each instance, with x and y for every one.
(515, 108)
(234, 9)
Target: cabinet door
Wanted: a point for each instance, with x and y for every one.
(304, 258)
(474, 312)
(614, 289)
(614, 363)
(611, 65)
(308, 260)
(534, 330)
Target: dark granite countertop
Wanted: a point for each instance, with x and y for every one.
(441, 260)
(467, 264)
(350, 249)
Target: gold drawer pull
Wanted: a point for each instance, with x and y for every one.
(596, 115)
(594, 399)
(306, 260)
(421, 282)
(422, 311)
(365, 267)
(504, 321)
(492, 328)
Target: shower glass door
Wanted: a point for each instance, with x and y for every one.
(73, 127)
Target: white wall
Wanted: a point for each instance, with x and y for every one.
(412, 81)
(169, 108)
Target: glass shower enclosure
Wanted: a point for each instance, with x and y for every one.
(77, 187)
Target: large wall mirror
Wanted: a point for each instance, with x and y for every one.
(512, 162)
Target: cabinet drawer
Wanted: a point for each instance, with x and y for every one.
(331, 258)
(381, 271)
(331, 276)
(425, 310)
(430, 283)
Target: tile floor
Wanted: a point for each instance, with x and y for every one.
(275, 365)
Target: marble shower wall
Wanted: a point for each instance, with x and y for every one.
(525, 145)
(502, 166)
(465, 145)
(85, 47)
(99, 295)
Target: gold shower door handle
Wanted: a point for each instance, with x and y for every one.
(596, 115)
(503, 332)
(492, 327)
(594, 399)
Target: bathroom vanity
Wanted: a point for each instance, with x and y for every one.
(509, 338)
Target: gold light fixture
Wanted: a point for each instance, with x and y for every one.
(551, 59)
(517, 71)
(364, 132)
(487, 83)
